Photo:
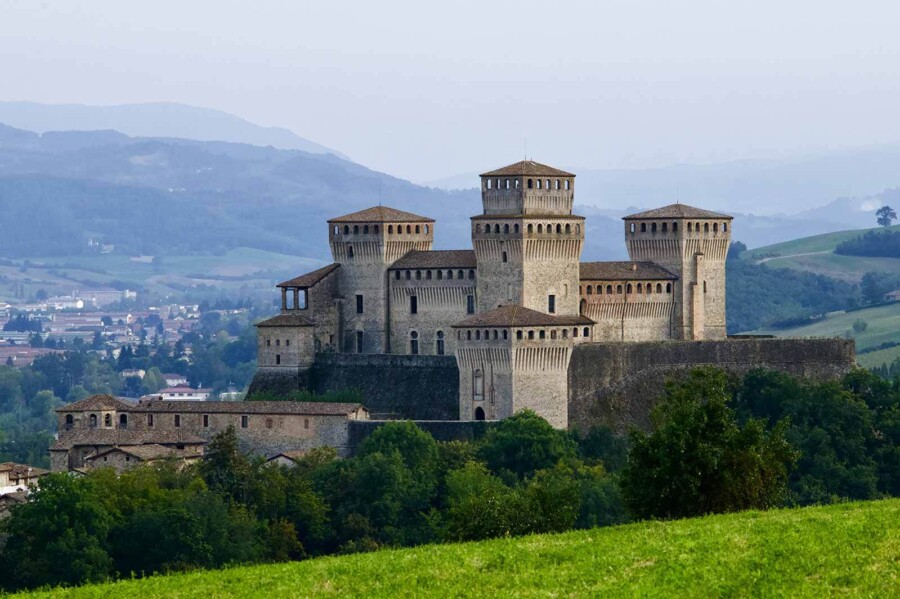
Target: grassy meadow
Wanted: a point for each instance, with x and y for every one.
(850, 549)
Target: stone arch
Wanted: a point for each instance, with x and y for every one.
(530, 228)
(706, 227)
(530, 184)
(123, 420)
(629, 289)
(346, 229)
(558, 228)
(643, 227)
(479, 413)
(497, 228)
(540, 228)
(506, 228)
(568, 228)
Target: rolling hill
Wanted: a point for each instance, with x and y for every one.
(847, 549)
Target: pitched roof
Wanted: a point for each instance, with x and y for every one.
(292, 454)
(306, 408)
(113, 436)
(677, 211)
(311, 278)
(152, 451)
(519, 316)
(22, 470)
(437, 259)
(288, 319)
(98, 403)
(381, 214)
(528, 167)
(624, 271)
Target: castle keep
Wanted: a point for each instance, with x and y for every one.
(512, 309)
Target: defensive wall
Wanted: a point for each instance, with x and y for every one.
(610, 383)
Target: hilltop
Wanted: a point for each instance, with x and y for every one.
(848, 549)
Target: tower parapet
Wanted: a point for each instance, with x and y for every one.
(693, 244)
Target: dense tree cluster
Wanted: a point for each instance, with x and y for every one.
(874, 244)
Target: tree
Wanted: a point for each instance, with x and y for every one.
(698, 459)
(860, 325)
(885, 216)
(525, 443)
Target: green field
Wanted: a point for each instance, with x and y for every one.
(883, 325)
(816, 254)
(848, 549)
(58, 275)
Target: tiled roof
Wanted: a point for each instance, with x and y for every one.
(310, 408)
(437, 259)
(310, 278)
(98, 403)
(528, 167)
(520, 316)
(151, 451)
(21, 470)
(293, 455)
(112, 436)
(677, 211)
(289, 319)
(624, 271)
(381, 214)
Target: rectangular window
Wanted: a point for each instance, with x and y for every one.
(277, 359)
(206, 421)
(551, 304)
(359, 342)
(287, 342)
(470, 304)
(269, 423)
(177, 420)
(413, 304)
(359, 304)
(306, 423)
(149, 419)
(245, 421)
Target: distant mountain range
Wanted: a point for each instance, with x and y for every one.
(174, 195)
(156, 119)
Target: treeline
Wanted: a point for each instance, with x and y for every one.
(758, 296)
(874, 244)
(719, 443)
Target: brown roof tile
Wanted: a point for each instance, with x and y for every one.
(528, 167)
(310, 408)
(381, 214)
(147, 452)
(677, 211)
(288, 319)
(520, 316)
(437, 259)
(98, 403)
(311, 278)
(22, 470)
(624, 271)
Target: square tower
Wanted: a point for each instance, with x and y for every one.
(527, 242)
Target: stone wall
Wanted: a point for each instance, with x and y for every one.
(412, 387)
(441, 430)
(615, 383)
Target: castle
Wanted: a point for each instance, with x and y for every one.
(511, 309)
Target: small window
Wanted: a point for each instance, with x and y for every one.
(489, 183)
(269, 423)
(449, 274)
(505, 258)
(574, 332)
(408, 230)
(350, 251)
(659, 288)
(653, 228)
(150, 420)
(505, 334)
(668, 287)
(665, 227)
(70, 421)
(427, 274)
(440, 274)
(551, 304)
(629, 289)
(619, 289)
(413, 304)
(337, 230)
(177, 420)
(107, 420)
(643, 227)
(366, 230)
(640, 288)
(440, 334)
(268, 343)
(390, 229)
(278, 343)
(497, 228)
(586, 332)
(567, 184)
(346, 230)
(704, 286)
(408, 274)
(359, 342)
(471, 275)
(375, 228)
(538, 183)
(414, 343)
(123, 421)
(306, 423)
(530, 184)
(396, 275)
(519, 335)
(557, 184)
(507, 183)
(278, 359)
(542, 334)
(359, 304)
(206, 421)
(706, 227)
(418, 275)
(609, 290)
(460, 274)
(590, 290)
(531, 334)
(675, 227)
(470, 304)
(245, 421)
(724, 227)
(418, 229)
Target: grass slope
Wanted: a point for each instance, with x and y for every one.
(816, 254)
(884, 325)
(848, 549)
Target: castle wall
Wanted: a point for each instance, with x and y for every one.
(409, 387)
(288, 347)
(440, 303)
(485, 378)
(324, 310)
(623, 316)
(615, 384)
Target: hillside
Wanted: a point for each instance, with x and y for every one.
(848, 549)
(816, 254)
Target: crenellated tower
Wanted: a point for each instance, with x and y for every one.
(693, 244)
(527, 241)
(365, 244)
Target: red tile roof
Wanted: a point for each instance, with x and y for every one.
(381, 214)
(624, 271)
(677, 211)
(528, 167)
(311, 278)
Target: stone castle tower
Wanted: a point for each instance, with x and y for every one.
(527, 242)
(365, 244)
(692, 244)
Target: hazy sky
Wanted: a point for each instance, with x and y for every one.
(425, 90)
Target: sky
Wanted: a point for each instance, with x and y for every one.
(428, 90)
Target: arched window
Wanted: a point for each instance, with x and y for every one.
(574, 332)
(427, 274)
(724, 227)
(376, 229)
(418, 229)
(478, 228)
(632, 227)
(397, 275)
(531, 228)
(542, 334)
(640, 288)
(530, 184)
(440, 274)
(439, 343)
(558, 228)
(557, 184)
(531, 334)
(549, 228)
(449, 274)
(568, 229)
(577, 228)
(706, 227)
(659, 288)
(496, 334)
(516, 228)
(582, 306)
(408, 275)
(517, 184)
(427, 230)
(408, 230)
(586, 332)
(567, 184)
(479, 413)
(504, 257)
(539, 184)
(349, 251)
(668, 287)
(93, 420)
(507, 183)
(540, 228)
(478, 335)
(459, 274)
(356, 229)
(346, 229)
(590, 290)
(553, 334)
(70, 421)
(653, 228)
(123, 420)
(519, 335)
(498, 183)
(469, 335)
(643, 227)
(649, 288)
(506, 228)
(690, 228)
(366, 230)
(609, 290)
(418, 275)
(628, 288)
(107, 420)
(665, 227)
(565, 333)
(715, 227)
(414, 343)
(497, 229)
(337, 230)
(619, 289)
(674, 227)
(471, 275)
(488, 183)
(548, 183)
(505, 334)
